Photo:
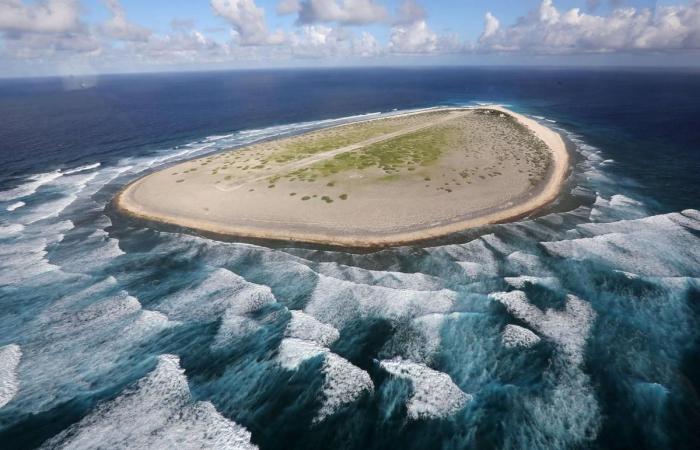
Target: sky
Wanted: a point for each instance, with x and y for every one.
(64, 37)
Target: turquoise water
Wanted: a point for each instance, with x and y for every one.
(574, 329)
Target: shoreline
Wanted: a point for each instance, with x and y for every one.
(514, 209)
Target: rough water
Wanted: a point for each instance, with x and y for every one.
(574, 329)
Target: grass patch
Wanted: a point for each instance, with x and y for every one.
(421, 148)
(331, 139)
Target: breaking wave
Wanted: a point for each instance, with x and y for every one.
(533, 334)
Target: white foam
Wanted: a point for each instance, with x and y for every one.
(527, 262)
(343, 382)
(10, 356)
(82, 168)
(97, 250)
(222, 290)
(48, 209)
(475, 258)
(158, 412)
(293, 352)
(521, 281)
(14, 206)
(233, 327)
(29, 187)
(434, 393)
(516, 336)
(10, 230)
(336, 302)
(653, 246)
(419, 339)
(394, 280)
(304, 326)
(22, 260)
(568, 328)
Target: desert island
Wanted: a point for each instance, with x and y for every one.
(380, 182)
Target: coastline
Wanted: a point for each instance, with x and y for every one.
(515, 208)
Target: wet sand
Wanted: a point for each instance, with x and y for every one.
(377, 183)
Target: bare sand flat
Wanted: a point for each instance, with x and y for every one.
(381, 182)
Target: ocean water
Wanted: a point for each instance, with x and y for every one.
(578, 328)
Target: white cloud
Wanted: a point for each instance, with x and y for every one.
(348, 12)
(366, 45)
(410, 12)
(285, 7)
(248, 20)
(550, 31)
(48, 16)
(491, 26)
(417, 37)
(413, 38)
(118, 27)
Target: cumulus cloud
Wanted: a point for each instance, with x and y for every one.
(347, 12)
(413, 38)
(550, 31)
(48, 16)
(491, 26)
(118, 27)
(410, 12)
(366, 45)
(417, 38)
(286, 7)
(248, 20)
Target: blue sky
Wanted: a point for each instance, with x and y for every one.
(43, 37)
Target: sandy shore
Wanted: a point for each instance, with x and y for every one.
(282, 197)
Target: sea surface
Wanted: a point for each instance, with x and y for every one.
(578, 328)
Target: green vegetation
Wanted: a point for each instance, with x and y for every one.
(334, 138)
(421, 148)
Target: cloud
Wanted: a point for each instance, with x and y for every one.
(366, 45)
(118, 27)
(248, 20)
(413, 38)
(410, 12)
(48, 16)
(550, 31)
(286, 7)
(417, 38)
(346, 12)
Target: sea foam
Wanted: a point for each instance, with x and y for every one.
(158, 412)
(10, 356)
(434, 393)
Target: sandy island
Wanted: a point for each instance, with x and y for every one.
(381, 182)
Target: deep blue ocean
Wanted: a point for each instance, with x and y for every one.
(577, 328)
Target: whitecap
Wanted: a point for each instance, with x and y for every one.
(304, 326)
(233, 326)
(390, 279)
(222, 290)
(10, 230)
(343, 382)
(653, 246)
(10, 356)
(15, 205)
(434, 393)
(336, 302)
(568, 328)
(82, 168)
(523, 280)
(516, 336)
(159, 412)
(29, 187)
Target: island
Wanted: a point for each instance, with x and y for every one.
(381, 182)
